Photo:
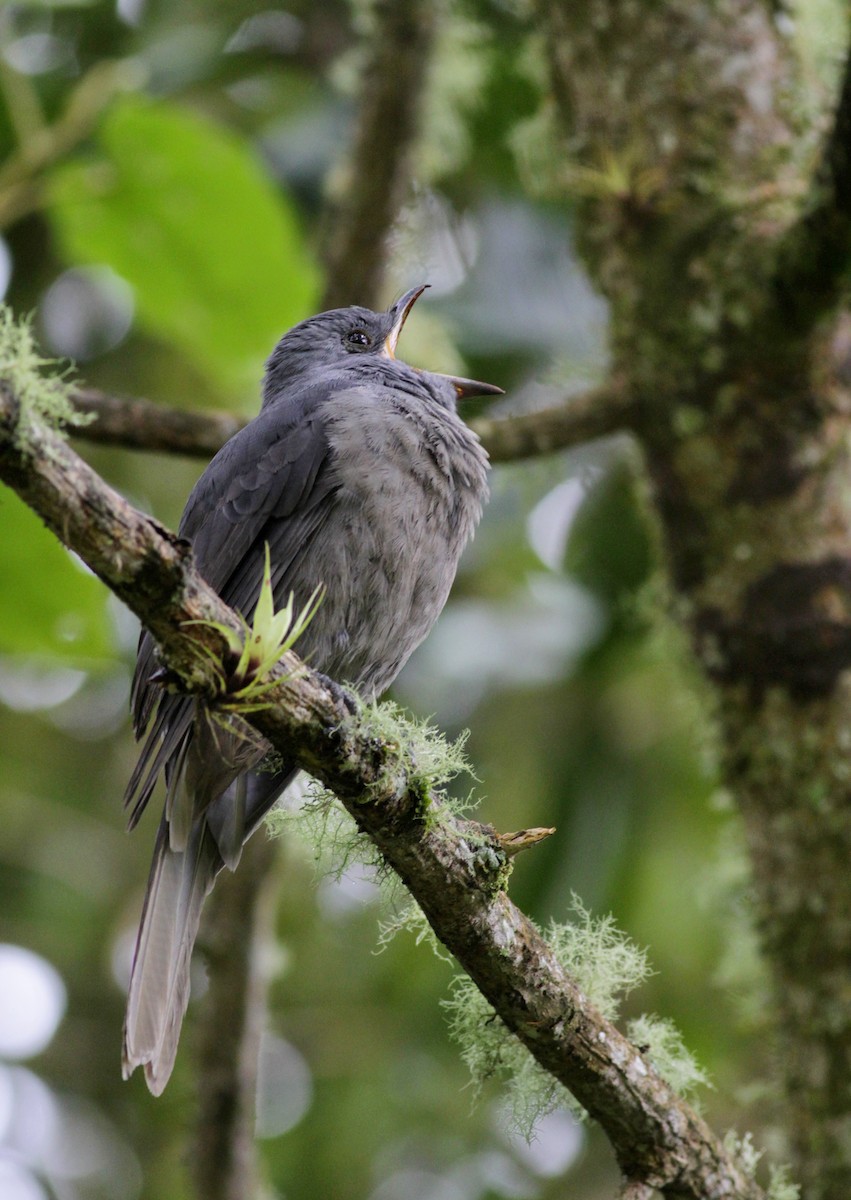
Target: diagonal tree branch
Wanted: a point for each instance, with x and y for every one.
(454, 868)
(138, 424)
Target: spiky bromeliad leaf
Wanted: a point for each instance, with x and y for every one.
(263, 643)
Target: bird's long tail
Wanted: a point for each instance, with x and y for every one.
(178, 884)
(159, 985)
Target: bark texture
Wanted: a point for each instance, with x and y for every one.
(720, 256)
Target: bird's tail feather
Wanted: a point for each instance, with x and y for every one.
(159, 984)
(178, 884)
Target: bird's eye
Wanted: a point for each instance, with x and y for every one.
(358, 337)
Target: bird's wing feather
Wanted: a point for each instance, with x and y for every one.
(177, 887)
(267, 471)
(267, 483)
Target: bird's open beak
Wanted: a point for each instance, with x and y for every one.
(399, 312)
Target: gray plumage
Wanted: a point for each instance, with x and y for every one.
(361, 477)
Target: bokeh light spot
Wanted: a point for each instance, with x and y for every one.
(32, 1002)
(284, 1087)
(5, 267)
(16, 1182)
(86, 311)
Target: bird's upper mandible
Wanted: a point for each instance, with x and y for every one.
(361, 343)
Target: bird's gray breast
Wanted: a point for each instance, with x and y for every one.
(411, 484)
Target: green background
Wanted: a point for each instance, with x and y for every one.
(202, 186)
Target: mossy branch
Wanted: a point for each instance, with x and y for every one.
(453, 867)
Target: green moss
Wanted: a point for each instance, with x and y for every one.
(323, 827)
(780, 1186)
(429, 760)
(743, 1149)
(794, 750)
(406, 917)
(603, 961)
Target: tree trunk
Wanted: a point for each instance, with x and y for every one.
(722, 289)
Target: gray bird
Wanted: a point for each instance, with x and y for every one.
(362, 479)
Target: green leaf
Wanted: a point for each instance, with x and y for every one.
(184, 211)
(50, 605)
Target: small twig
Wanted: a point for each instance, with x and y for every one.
(522, 839)
(22, 103)
(138, 424)
(600, 412)
(378, 175)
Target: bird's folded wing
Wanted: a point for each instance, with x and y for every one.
(270, 482)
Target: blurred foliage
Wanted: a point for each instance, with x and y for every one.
(55, 609)
(201, 187)
(179, 208)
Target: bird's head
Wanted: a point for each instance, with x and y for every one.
(345, 337)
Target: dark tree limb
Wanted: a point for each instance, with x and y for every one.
(238, 927)
(137, 424)
(600, 412)
(453, 867)
(379, 173)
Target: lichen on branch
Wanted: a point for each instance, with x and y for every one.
(41, 395)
